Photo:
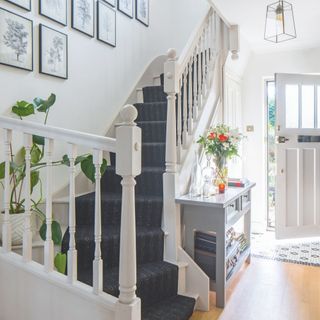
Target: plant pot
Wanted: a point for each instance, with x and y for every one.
(17, 227)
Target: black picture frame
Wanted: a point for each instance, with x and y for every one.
(42, 50)
(99, 33)
(42, 13)
(125, 13)
(112, 3)
(31, 47)
(19, 5)
(139, 18)
(73, 23)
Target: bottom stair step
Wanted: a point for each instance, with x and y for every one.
(175, 308)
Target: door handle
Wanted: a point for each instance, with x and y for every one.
(281, 139)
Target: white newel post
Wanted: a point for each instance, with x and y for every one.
(171, 211)
(27, 234)
(72, 252)
(6, 228)
(128, 166)
(48, 244)
(97, 262)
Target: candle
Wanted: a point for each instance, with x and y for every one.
(222, 188)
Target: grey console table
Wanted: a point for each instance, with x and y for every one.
(218, 214)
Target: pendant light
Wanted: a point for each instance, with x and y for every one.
(280, 24)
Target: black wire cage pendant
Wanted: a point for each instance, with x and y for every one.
(280, 24)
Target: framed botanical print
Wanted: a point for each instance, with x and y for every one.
(83, 16)
(55, 10)
(111, 2)
(53, 52)
(126, 7)
(142, 11)
(25, 4)
(106, 23)
(16, 40)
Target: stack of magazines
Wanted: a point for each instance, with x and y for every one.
(238, 183)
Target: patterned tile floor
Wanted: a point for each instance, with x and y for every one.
(301, 251)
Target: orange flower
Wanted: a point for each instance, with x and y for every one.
(212, 136)
(223, 138)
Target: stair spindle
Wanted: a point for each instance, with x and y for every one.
(97, 263)
(72, 252)
(203, 80)
(6, 227)
(185, 109)
(195, 86)
(27, 234)
(179, 120)
(48, 244)
(190, 98)
(200, 74)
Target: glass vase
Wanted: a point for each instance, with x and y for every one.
(196, 178)
(221, 176)
(208, 178)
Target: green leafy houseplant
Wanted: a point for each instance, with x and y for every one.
(24, 109)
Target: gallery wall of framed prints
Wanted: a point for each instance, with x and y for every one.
(93, 18)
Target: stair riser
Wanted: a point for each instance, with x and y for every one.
(154, 94)
(152, 112)
(149, 249)
(153, 131)
(148, 183)
(148, 212)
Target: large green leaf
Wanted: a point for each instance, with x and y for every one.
(45, 105)
(38, 140)
(23, 109)
(60, 262)
(56, 232)
(35, 154)
(34, 179)
(19, 157)
(88, 167)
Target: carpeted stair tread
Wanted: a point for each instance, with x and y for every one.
(174, 308)
(154, 94)
(148, 210)
(149, 246)
(153, 154)
(150, 181)
(153, 131)
(155, 281)
(152, 111)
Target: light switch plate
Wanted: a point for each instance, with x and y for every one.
(250, 128)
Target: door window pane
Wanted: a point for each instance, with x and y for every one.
(307, 100)
(292, 106)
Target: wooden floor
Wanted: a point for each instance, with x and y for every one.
(270, 290)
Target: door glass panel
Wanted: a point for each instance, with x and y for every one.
(307, 99)
(292, 106)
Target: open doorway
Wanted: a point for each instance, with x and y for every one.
(271, 152)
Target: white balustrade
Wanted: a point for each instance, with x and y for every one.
(48, 244)
(72, 252)
(6, 228)
(27, 234)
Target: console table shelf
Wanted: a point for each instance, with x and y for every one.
(217, 214)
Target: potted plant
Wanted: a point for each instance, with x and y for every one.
(24, 109)
(221, 143)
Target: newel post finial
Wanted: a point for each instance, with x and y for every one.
(172, 54)
(129, 114)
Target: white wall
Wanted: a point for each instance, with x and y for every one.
(260, 67)
(101, 78)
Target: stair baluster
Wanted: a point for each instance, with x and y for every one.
(97, 263)
(185, 110)
(6, 231)
(179, 120)
(72, 252)
(27, 233)
(195, 85)
(48, 244)
(203, 80)
(190, 98)
(199, 74)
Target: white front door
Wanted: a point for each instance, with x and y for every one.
(298, 156)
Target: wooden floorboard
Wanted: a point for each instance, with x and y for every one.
(270, 290)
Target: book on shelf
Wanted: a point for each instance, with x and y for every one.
(238, 183)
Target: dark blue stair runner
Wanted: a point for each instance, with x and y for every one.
(157, 280)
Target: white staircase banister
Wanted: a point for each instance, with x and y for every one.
(70, 136)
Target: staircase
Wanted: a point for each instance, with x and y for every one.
(157, 280)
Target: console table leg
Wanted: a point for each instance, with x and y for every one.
(220, 263)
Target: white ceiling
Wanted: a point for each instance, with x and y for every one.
(250, 16)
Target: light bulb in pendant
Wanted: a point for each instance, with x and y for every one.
(279, 14)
